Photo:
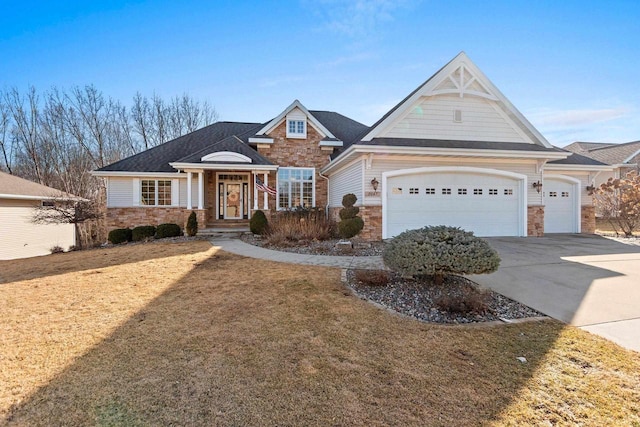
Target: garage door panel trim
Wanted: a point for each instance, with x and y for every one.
(519, 178)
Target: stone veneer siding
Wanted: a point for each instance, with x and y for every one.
(372, 217)
(293, 152)
(535, 221)
(588, 220)
(133, 217)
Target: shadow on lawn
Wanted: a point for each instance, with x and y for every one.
(246, 342)
(70, 262)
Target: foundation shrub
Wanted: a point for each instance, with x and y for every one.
(438, 251)
(258, 223)
(120, 235)
(372, 277)
(350, 224)
(56, 249)
(468, 300)
(168, 230)
(294, 227)
(143, 232)
(192, 225)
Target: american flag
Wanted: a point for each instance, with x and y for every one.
(263, 187)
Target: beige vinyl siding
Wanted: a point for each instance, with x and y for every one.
(433, 118)
(387, 163)
(119, 192)
(345, 181)
(585, 180)
(22, 239)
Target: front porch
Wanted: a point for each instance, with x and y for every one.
(229, 197)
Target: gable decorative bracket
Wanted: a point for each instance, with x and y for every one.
(540, 165)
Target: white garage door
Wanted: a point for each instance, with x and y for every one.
(560, 213)
(22, 239)
(488, 205)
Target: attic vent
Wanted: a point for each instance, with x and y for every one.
(457, 116)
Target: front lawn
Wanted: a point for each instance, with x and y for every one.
(183, 334)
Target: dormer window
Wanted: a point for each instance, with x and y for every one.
(296, 129)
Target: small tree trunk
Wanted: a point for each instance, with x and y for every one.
(438, 279)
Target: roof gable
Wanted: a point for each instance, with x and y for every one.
(291, 109)
(459, 79)
(230, 150)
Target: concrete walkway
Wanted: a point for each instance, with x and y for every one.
(237, 246)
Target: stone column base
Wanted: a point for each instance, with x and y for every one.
(588, 220)
(535, 221)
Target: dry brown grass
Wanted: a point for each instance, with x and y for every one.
(183, 334)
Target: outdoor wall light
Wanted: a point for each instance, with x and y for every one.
(538, 186)
(591, 189)
(374, 184)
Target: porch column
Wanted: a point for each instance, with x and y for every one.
(266, 196)
(255, 192)
(189, 182)
(200, 190)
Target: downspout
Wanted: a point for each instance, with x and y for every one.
(326, 208)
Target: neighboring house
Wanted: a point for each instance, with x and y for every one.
(21, 238)
(455, 151)
(622, 157)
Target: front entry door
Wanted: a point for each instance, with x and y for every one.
(233, 201)
(233, 196)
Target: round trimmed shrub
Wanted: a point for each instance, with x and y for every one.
(350, 212)
(168, 230)
(349, 228)
(120, 235)
(438, 251)
(258, 223)
(350, 224)
(143, 232)
(348, 200)
(192, 225)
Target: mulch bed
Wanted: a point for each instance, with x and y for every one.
(419, 299)
(320, 247)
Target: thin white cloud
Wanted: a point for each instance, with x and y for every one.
(565, 118)
(281, 80)
(356, 18)
(562, 127)
(358, 57)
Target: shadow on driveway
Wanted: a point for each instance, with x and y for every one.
(583, 280)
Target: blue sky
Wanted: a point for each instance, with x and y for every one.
(571, 67)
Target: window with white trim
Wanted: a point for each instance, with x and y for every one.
(296, 128)
(155, 192)
(296, 187)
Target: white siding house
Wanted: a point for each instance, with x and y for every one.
(21, 238)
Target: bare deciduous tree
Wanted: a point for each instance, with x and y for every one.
(65, 210)
(618, 200)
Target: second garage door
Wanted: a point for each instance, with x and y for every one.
(489, 204)
(560, 210)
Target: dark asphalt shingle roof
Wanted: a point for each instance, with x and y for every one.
(577, 159)
(473, 145)
(157, 159)
(230, 143)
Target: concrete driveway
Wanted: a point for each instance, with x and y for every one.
(584, 280)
